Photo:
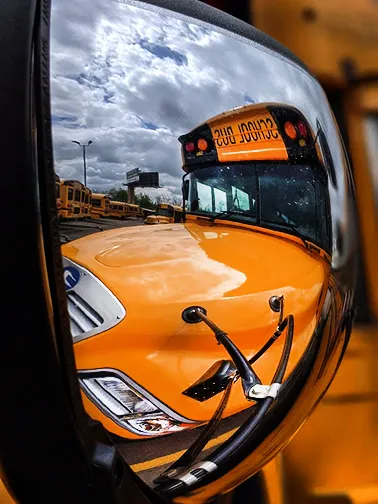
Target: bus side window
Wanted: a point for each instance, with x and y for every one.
(204, 197)
(70, 194)
(220, 200)
(240, 199)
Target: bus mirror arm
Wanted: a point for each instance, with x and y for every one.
(244, 370)
(252, 387)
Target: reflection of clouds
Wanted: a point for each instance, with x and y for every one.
(132, 80)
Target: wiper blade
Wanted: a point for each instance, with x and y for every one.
(286, 225)
(227, 213)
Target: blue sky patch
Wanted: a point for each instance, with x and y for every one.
(248, 99)
(163, 51)
(108, 97)
(149, 125)
(64, 118)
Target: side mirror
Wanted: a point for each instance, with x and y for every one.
(264, 199)
(228, 327)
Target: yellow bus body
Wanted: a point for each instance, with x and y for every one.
(165, 214)
(100, 206)
(72, 196)
(225, 265)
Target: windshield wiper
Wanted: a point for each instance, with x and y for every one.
(296, 233)
(287, 225)
(227, 213)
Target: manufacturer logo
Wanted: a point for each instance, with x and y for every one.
(71, 277)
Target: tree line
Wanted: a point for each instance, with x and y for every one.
(142, 199)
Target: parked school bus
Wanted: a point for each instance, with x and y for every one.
(225, 214)
(132, 210)
(146, 212)
(72, 196)
(165, 214)
(334, 458)
(100, 205)
(117, 209)
(87, 202)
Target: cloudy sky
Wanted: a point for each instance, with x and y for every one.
(132, 80)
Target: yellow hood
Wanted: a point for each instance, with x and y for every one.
(157, 272)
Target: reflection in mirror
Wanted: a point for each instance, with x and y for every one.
(194, 340)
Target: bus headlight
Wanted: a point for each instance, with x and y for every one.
(128, 405)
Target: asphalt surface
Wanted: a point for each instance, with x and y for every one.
(74, 229)
(149, 457)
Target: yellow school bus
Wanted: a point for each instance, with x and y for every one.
(146, 212)
(132, 210)
(117, 209)
(257, 201)
(100, 205)
(165, 214)
(87, 204)
(72, 196)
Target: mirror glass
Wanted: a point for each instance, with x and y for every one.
(183, 319)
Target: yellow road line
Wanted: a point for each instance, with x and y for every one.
(167, 459)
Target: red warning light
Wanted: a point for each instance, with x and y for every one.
(189, 147)
(302, 129)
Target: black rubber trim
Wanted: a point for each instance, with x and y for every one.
(203, 12)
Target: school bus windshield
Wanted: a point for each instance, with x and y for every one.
(164, 212)
(283, 197)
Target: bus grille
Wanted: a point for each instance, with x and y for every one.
(83, 317)
(92, 307)
(76, 210)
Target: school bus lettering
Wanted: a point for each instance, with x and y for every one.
(242, 136)
(224, 136)
(255, 131)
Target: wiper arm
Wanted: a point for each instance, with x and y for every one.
(227, 213)
(195, 314)
(285, 224)
(298, 234)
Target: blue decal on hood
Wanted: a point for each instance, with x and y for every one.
(71, 277)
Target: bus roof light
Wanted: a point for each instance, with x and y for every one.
(290, 130)
(302, 129)
(189, 147)
(202, 144)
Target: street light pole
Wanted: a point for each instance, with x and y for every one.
(84, 157)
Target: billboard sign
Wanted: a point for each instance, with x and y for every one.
(149, 179)
(132, 177)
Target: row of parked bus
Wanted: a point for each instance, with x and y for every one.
(76, 201)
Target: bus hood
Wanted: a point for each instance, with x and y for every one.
(157, 272)
(156, 219)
